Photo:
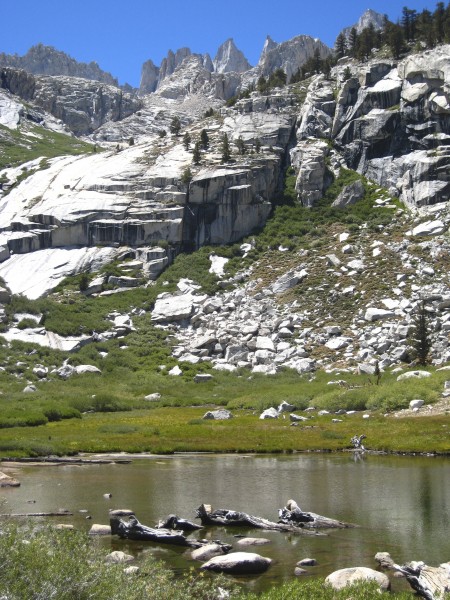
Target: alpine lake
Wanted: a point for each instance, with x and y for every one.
(398, 504)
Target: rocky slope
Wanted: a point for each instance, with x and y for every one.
(141, 193)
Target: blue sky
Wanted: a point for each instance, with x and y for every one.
(120, 36)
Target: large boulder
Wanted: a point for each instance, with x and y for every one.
(238, 563)
(349, 195)
(344, 577)
(171, 307)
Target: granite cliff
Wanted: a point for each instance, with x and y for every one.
(141, 192)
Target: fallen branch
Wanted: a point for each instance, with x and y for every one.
(431, 583)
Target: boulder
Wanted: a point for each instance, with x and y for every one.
(153, 397)
(29, 389)
(378, 314)
(307, 562)
(249, 541)
(117, 556)
(350, 195)
(344, 577)
(97, 529)
(7, 481)
(285, 407)
(40, 371)
(269, 413)
(207, 552)
(82, 369)
(429, 228)
(416, 404)
(238, 563)
(218, 415)
(175, 371)
(203, 378)
(413, 375)
(169, 308)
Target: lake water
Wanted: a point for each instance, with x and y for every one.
(400, 504)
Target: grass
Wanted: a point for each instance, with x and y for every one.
(31, 142)
(43, 562)
(165, 430)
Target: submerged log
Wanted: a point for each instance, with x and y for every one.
(225, 517)
(134, 530)
(431, 583)
(60, 513)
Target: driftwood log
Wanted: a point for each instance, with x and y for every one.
(293, 514)
(296, 524)
(134, 530)
(432, 583)
(175, 522)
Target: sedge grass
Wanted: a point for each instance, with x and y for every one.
(168, 430)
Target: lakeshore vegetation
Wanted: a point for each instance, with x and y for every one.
(43, 562)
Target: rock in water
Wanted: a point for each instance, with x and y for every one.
(238, 563)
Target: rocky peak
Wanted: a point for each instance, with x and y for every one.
(46, 60)
(368, 18)
(269, 44)
(172, 61)
(230, 58)
(149, 77)
(290, 55)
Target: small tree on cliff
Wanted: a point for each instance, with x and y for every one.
(226, 152)
(420, 338)
(204, 139)
(175, 126)
(196, 156)
(186, 141)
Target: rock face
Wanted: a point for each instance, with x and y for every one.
(229, 58)
(367, 19)
(83, 105)
(46, 60)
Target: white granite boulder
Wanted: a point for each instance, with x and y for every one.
(344, 577)
(238, 563)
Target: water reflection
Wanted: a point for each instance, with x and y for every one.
(400, 504)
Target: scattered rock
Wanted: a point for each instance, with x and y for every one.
(118, 556)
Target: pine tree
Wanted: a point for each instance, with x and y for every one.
(204, 139)
(395, 39)
(340, 45)
(240, 145)
(196, 156)
(262, 85)
(175, 126)
(186, 141)
(257, 145)
(439, 22)
(421, 340)
(352, 41)
(186, 177)
(226, 152)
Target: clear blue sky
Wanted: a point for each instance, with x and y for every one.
(121, 35)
